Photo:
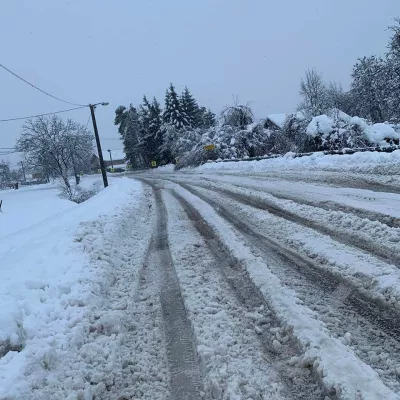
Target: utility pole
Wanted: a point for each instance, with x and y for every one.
(96, 134)
(112, 165)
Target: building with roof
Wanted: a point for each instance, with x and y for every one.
(118, 158)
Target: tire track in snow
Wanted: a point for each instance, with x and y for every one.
(327, 205)
(382, 252)
(299, 386)
(142, 371)
(235, 364)
(374, 333)
(327, 178)
(185, 375)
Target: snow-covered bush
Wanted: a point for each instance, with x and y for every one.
(76, 194)
(334, 131)
(229, 142)
(291, 138)
(381, 134)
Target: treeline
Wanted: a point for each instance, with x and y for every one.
(149, 132)
(327, 118)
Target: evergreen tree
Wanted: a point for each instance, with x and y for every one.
(130, 131)
(151, 139)
(173, 114)
(206, 118)
(190, 108)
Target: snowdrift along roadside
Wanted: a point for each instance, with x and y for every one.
(379, 163)
(54, 275)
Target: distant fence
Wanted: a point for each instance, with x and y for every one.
(12, 185)
(388, 149)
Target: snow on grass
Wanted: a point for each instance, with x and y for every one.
(55, 274)
(29, 205)
(337, 366)
(389, 163)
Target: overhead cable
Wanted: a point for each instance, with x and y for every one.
(40, 90)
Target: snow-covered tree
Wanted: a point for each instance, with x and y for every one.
(129, 127)
(314, 94)
(206, 118)
(237, 116)
(151, 136)
(393, 72)
(56, 147)
(191, 109)
(369, 86)
(5, 172)
(173, 113)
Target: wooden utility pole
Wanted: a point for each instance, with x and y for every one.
(96, 134)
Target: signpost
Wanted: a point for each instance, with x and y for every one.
(154, 164)
(209, 147)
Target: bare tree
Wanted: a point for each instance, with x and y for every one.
(314, 94)
(55, 147)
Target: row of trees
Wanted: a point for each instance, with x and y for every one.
(180, 129)
(374, 90)
(149, 132)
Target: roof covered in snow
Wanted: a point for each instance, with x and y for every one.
(279, 119)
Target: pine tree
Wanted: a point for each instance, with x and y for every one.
(173, 114)
(130, 131)
(190, 108)
(151, 139)
(206, 118)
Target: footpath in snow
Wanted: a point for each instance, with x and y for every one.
(59, 260)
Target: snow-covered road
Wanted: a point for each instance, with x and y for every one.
(291, 289)
(206, 285)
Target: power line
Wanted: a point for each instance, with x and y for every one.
(87, 123)
(40, 90)
(41, 115)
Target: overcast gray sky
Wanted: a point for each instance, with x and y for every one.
(102, 50)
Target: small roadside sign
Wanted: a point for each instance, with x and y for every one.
(154, 164)
(209, 147)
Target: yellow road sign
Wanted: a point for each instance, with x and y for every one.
(209, 147)
(154, 163)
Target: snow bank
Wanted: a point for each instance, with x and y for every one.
(51, 286)
(316, 161)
